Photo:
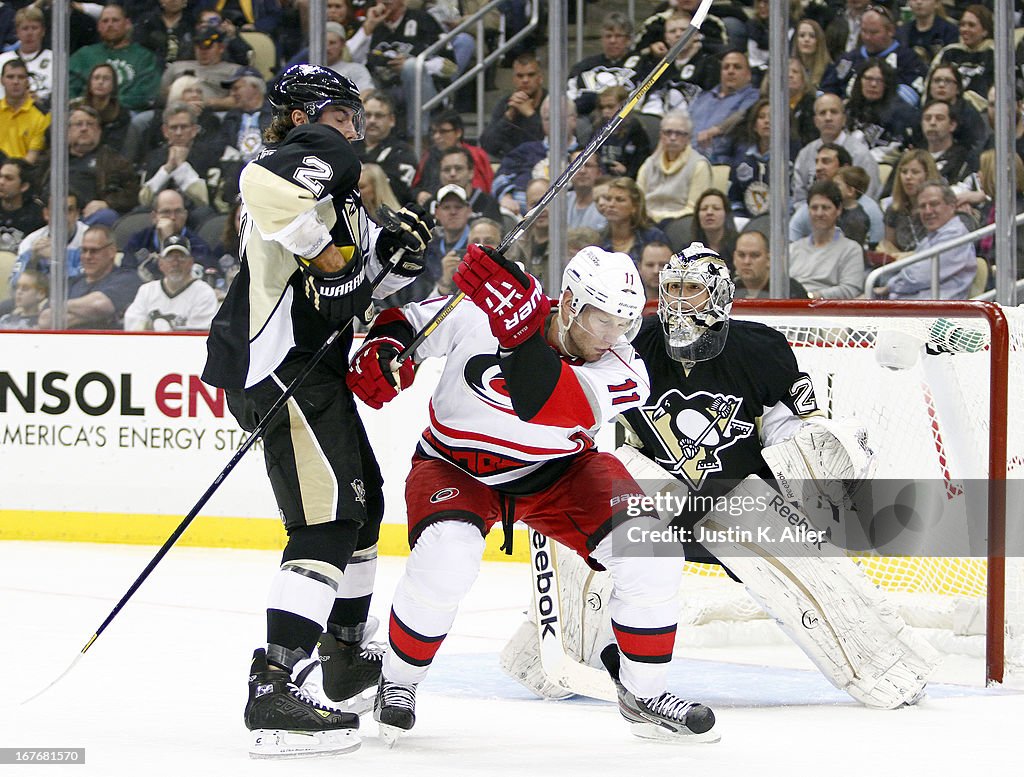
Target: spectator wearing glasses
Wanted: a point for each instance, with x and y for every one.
(874, 109)
(974, 54)
(936, 204)
(446, 131)
(138, 65)
(169, 217)
(674, 176)
(98, 298)
(381, 146)
(971, 130)
(878, 40)
(107, 182)
(179, 162)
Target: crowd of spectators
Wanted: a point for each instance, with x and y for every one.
(890, 125)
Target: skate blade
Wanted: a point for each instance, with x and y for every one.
(357, 705)
(275, 743)
(390, 734)
(662, 734)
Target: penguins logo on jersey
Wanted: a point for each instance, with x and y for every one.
(484, 379)
(692, 430)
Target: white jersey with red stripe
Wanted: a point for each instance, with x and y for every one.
(472, 421)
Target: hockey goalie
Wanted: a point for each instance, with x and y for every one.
(730, 414)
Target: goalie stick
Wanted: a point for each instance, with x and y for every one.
(570, 171)
(559, 667)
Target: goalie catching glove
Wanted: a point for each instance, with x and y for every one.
(515, 305)
(410, 229)
(374, 377)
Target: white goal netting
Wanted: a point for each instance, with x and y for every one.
(922, 386)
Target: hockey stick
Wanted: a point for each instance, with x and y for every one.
(567, 174)
(385, 215)
(559, 667)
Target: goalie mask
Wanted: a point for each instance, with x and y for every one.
(694, 300)
(311, 88)
(609, 282)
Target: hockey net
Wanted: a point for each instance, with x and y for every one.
(930, 417)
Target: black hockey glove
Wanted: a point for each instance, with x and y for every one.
(410, 228)
(338, 296)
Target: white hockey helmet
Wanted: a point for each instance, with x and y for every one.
(696, 324)
(607, 280)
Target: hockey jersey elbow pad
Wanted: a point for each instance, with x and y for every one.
(543, 388)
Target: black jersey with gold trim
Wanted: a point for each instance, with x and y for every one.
(298, 197)
(709, 424)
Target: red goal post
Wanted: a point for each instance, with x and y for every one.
(826, 324)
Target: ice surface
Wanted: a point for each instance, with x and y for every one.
(162, 690)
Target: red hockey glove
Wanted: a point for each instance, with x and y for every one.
(372, 375)
(511, 298)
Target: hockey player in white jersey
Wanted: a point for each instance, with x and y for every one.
(525, 386)
(729, 406)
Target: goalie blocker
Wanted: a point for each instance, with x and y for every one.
(821, 599)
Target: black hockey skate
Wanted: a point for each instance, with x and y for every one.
(286, 722)
(349, 669)
(394, 708)
(665, 717)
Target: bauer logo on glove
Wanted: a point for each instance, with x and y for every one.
(516, 307)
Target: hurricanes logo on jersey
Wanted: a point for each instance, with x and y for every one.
(692, 431)
(483, 377)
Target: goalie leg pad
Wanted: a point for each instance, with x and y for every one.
(520, 660)
(826, 604)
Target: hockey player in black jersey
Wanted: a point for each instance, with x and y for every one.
(308, 254)
(728, 401)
